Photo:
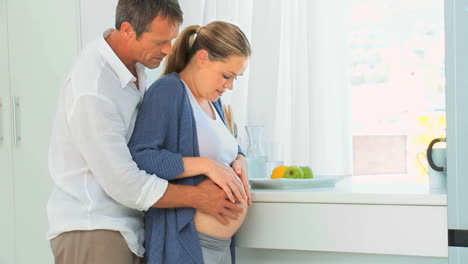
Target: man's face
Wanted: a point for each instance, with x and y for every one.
(152, 46)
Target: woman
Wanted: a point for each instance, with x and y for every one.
(180, 135)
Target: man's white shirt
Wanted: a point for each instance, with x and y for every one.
(97, 184)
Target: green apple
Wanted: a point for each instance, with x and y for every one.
(293, 172)
(308, 174)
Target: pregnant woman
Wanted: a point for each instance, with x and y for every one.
(180, 135)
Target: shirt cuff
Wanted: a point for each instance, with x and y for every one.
(152, 191)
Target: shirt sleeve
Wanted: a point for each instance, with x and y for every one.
(99, 133)
(155, 137)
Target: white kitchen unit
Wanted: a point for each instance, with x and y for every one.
(271, 256)
(39, 40)
(456, 50)
(7, 239)
(354, 222)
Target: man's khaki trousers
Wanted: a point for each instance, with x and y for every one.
(92, 247)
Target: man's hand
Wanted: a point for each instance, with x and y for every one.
(240, 167)
(212, 200)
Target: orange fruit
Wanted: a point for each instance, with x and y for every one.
(278, 172)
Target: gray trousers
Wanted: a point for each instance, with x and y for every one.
(215, 250)
(92, 247)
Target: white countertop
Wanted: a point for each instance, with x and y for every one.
(385, 190)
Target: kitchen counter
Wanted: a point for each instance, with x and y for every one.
(387, 189)
(367, 214)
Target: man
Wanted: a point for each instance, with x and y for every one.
(95, 209)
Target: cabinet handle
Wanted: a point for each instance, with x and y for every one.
(15, 107)
(1, 122)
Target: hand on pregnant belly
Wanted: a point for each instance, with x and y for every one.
(212, 201)
(225, 177)
(209, 225)
(240, 166)
(215, 215)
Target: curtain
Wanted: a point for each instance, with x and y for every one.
(297, 83)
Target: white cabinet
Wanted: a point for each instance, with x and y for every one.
(353, 222)
(6, 178)
(458, 255)
(456, 40)
(39, 40)
(404, 230)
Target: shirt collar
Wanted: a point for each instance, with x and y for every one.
(124, 74)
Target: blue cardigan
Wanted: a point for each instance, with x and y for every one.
(165, 131)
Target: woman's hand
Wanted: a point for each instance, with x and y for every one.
(225, 177)
(240, 167)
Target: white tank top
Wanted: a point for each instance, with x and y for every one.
(214, 139)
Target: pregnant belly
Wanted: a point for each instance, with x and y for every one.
(209, 225)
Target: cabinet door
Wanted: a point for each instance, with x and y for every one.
(6, 177)
(458, 255)
(456, 53)
(43, 41)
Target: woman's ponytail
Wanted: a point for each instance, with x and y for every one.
(220, 39)
(181, 51)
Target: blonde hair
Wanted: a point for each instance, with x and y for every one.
(220, 39)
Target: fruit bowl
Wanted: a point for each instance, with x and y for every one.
(284, 183)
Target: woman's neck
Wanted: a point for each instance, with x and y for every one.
(187, 76)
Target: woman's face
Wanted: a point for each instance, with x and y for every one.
(215, 77)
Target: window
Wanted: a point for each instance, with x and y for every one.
(397, 76)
